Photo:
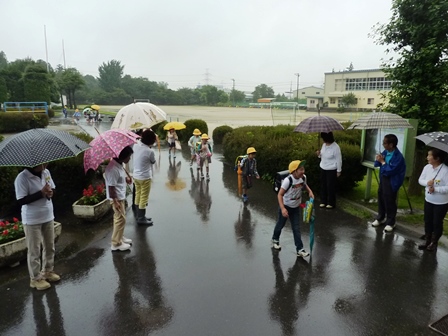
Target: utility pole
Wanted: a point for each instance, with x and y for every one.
(63, 54)
(297, 95)
(233, 92)
(46, 48)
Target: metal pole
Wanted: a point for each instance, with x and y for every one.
(233, 92)
(46, 47)
(297, 92)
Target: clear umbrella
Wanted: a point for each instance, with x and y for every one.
(138, 116)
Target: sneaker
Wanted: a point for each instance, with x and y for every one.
(174, 156)
(245, 198)
(122, 247)
(329, 207)
(377, 222)
(51, 276)
(389, 228)
(322, 205)
(40, 284)
(126, 240)
(208, 177)
(276, 245)
(302, 253)
(202, 176)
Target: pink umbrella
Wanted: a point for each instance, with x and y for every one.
(107, 145)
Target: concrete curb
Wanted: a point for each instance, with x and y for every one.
(403, 227)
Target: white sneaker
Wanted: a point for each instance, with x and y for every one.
(126, 240)
(122, 247)
(376, 222)
(322, 205)
(302, 253)
(389, 228)
(276, 245)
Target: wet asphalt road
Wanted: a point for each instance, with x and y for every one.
(206, 268)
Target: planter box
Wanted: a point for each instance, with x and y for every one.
(15, 251)
(91, 212)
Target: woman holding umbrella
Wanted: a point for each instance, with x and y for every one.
(34, 191)
(434, 178)
(330, 169)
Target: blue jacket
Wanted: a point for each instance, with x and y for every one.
(395, 170)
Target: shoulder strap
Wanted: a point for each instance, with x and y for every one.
(290, 182)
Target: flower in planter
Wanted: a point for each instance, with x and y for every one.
(93, 195)
(11, 230)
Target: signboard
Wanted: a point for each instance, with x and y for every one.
(372, 143)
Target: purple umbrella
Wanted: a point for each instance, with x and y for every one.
(318, 124)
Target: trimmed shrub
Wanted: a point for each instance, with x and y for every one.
(219, 133)
(7, 192)
(22, 121)
(277, 146)
(50, 113)
(191, 124)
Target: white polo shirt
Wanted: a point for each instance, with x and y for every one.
(143, 161)
(40, 211)
(115, 176)
(293, 195)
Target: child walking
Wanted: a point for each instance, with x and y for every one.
(171, 138)
(203, 155)
(289, 199)
(249, 169)
(195, 138)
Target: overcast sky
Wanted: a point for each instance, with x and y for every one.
(180, 41)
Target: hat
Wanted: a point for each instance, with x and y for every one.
(204, 136)
(196, 132)
(295, 165)
(250, 150)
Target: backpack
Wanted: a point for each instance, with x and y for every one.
(239, 160)
(280, 176)
(199, 145)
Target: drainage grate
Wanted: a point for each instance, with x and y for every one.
(441, 326)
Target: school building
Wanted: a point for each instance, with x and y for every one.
(367, 85)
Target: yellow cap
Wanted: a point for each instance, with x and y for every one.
(294, 165)
(196, 132)
(250, 150)
(205, 136)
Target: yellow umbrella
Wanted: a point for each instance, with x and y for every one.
(174, 124)
(95, 107)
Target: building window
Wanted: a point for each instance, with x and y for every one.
(332, 100)
(373, 83)
(318, 92)
(312, 101)
(370, 101)
(303, 92)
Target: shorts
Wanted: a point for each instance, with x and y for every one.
(247, 181)
(202, 161)
(192, 151)
(171, 144)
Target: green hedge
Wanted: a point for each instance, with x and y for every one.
(21, 121)
(219, 133)
(7, 192)
(191, 124)
(277, 146)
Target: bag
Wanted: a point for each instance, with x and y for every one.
(280, 176)
(177, 144)
(278, 180)
(238, 160)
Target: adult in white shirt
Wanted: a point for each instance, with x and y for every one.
(116, 181)
(434, 178)
(34, 190)
(330, 169)
(144, 158)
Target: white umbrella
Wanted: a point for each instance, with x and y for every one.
(137, 116)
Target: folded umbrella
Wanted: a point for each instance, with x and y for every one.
(107, 145)
(37, 146)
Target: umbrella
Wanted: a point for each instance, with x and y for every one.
(435, 139)
(95, 107)
(378, 120)
(318, 124)
(138, 116)
(37, 146)
(308, 217)
(174, 124)
(107, 145)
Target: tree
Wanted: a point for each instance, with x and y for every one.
(3, 60)
(417, 34)
(263, 91)
(110, 75)
(70, 80)
(237, 96)
(210, 95)
(36, 84)
(349, 99)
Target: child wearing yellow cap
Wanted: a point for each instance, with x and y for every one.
(249, 169)
(289, 199)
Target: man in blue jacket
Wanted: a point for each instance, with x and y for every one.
(392, 172)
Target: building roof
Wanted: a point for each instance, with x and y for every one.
(265, 100)
(353, 71)
(312, 86)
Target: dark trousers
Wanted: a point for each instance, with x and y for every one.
(387, 201)
(434, 215)
(328, 180)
